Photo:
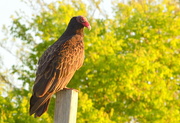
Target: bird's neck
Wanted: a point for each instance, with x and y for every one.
(69, 33)
(80, 31)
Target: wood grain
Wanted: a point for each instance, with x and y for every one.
(66, 106)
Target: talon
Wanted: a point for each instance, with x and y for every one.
(70, 89)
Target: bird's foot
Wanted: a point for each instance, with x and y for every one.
(70, 89)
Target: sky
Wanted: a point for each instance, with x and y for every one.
(7, 10)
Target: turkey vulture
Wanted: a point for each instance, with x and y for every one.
(58, 64)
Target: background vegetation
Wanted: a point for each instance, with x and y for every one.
(131, 71)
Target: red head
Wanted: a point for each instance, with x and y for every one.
(83, 21)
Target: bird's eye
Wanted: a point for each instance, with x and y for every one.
(82, 20)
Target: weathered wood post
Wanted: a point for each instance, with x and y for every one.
(66, 106)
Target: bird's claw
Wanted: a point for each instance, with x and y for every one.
(70, 89)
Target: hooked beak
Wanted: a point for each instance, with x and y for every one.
(89, 27)
(86, 24)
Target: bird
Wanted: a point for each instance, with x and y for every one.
(58, 64)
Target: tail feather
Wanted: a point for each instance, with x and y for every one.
(42, 109)
(39, 105)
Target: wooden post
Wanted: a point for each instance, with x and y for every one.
(66, 106)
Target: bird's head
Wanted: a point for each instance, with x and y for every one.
(82, 20)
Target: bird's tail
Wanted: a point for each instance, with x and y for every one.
(39, 105)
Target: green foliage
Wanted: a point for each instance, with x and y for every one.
(131, 68)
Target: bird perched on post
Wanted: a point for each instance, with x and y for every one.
(58, 64)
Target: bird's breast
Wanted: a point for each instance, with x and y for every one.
(73, 52)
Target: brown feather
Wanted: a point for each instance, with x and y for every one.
(60, 70)
(57, 66)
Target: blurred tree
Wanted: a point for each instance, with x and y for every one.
(131, 69)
